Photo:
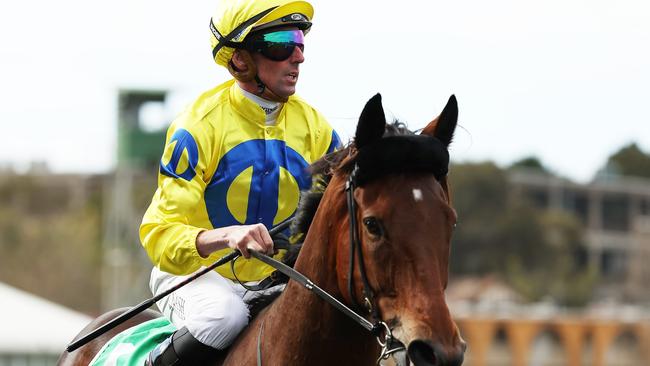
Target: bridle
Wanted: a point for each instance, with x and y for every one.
(423, 154)
(388, 346)
(377, 327)
(355, 246)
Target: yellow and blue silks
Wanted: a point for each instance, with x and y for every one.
(223, 166)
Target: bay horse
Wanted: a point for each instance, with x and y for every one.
(398, 215)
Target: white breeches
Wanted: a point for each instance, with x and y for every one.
(212, 307)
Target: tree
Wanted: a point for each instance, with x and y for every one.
(630, 161)
(479, 192)
(500, 232)
(552, 268)
(48, 249)
(531, 162)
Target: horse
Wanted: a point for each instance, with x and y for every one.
(378, 240)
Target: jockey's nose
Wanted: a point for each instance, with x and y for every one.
(298, 55)
(422, 353)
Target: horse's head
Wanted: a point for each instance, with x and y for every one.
(400, 201)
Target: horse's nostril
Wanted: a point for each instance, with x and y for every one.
(421, 353)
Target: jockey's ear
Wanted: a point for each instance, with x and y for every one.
(372, 123)
(443, 126)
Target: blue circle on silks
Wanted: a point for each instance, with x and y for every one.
(266, 157)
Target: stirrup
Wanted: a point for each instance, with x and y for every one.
(181, 349)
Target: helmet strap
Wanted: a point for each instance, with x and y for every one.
(260, 85)
(227, 40)
(265, 92)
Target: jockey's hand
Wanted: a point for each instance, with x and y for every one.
(241, 237)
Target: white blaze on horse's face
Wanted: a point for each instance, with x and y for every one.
(417, 194)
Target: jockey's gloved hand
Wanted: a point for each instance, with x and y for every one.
(239, 237)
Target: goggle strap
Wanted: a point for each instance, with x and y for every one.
(227, 40)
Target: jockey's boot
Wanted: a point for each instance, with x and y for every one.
(181, 349)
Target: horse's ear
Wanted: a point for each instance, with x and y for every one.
(444, 125)
(372, 122)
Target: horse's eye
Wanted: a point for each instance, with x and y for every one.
(373, 226)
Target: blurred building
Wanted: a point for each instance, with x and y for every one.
(34, 331)
(616, 215)
(554, 341)
(503, 330)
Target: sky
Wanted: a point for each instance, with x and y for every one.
(566, 81)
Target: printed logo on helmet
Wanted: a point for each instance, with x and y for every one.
(297, 17)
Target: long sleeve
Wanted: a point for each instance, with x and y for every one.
(166, 231)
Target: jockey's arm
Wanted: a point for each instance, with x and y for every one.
(241, 237)
(175, 238)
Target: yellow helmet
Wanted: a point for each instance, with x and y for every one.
(235, 19)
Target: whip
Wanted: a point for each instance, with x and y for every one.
(137, 309)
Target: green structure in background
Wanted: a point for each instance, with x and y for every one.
(136, 145)
(125, 272)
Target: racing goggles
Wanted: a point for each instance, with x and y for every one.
(278, 45)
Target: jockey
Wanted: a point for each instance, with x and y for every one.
(233, 166)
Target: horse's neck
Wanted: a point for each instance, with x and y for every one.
(312, 328)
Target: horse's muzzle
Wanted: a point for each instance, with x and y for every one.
(423, 353)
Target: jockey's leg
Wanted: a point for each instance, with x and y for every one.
(209, 313)
(181, 349)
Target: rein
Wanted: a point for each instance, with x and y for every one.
(309, 285)
(137, 309)
(374, 328)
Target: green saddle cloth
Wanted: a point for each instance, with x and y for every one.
(131, 347)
